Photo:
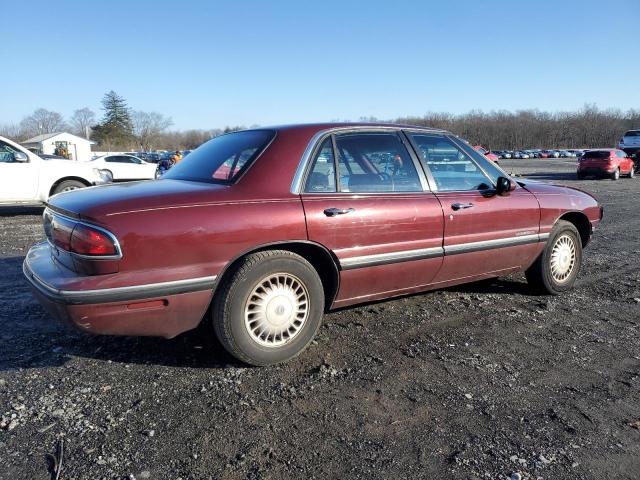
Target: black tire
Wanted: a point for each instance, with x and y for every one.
(616, 174)
(580, 176)
(233, 299)
(67, 186)
(540, 276)
(632, 173)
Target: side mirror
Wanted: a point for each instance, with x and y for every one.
(504, 186)
(20, 157)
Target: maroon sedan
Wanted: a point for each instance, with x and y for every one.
(266, 229)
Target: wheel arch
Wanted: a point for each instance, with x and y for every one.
(582, 224)
(64, 179)
(322, 260)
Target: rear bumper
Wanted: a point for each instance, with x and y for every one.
(163, 309)
(594, 170)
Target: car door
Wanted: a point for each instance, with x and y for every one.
(484, 234)
(18, 180)
(366, 199)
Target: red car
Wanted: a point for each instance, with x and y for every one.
(486, 152)
(264, 230)
(609, 162)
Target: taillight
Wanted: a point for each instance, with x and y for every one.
(86, 240)
(82, 239)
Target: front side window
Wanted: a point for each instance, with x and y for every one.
(451, 167)
(375, 162)
(222, 159)
(6, 153)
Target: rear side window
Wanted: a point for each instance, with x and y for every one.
(597, 154)
(222, 159)
(375, 162)
(322, 176)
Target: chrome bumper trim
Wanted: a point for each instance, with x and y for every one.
(117, 294)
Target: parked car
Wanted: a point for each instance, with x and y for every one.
(486, 152)
(609, 162)
(126, 167)
(268, 228)
(27, 178)
(630, 142)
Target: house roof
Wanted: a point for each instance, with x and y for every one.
(47, 136)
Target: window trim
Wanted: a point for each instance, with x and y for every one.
(304, 166)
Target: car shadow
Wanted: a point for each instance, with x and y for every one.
(19, 210)
(32, 339)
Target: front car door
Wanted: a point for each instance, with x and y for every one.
(18, 180)
(366, 199)
(485, 234)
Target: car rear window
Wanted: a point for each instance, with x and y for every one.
(597, 154)
(632, 133)
(222, 159)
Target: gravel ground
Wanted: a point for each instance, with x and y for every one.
(482, 381)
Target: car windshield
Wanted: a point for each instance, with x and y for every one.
(632, 133)
(222, 159)
(597, 154)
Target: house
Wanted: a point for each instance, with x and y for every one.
(61, 143)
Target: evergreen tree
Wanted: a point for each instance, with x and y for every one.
(116, 128)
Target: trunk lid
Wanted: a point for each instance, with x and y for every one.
(97, 203)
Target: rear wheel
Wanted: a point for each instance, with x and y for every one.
(580, 176)
(67, 186)
(270, 307)
(632, 173)
(616, 174)
(556, 269)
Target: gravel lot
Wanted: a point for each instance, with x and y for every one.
(482, 381)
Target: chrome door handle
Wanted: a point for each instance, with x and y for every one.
(332, 212)
(461, 206)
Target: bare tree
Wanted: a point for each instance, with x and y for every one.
(147, 126)
(10, 130)
(82, 121)
(42, 121)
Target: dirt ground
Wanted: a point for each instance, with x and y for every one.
(483, 381)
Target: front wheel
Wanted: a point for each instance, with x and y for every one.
(556, 269)
(632, 173)
(270, 307)
(67, 186)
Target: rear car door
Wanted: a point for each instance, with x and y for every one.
(366, 199)
(484, 234)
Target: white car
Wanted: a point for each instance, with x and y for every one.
(126, 167)
(27, 178)
(630, 141)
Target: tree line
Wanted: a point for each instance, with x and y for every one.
(589, 127)
(121, 128)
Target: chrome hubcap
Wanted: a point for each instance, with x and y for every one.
(276, 309)
(563, 258)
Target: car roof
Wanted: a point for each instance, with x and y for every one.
(318, 127)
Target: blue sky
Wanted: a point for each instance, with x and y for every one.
(208, 64)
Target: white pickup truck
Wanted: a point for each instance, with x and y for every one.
(27, 178)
